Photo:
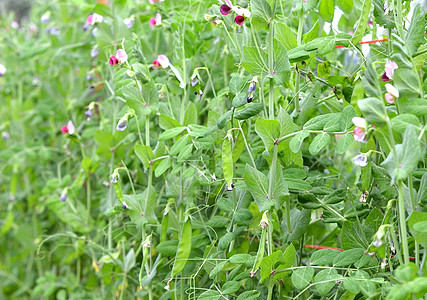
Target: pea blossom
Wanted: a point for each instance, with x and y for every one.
(239, 20)
(94, 52)
(123, 123)
(251, 89)
(113, 60)
(359, 130)
(390, 66)
(63, 196)
(124, 205)
(361, 160)
(95, 18)
(129, 22)
(122, 55)
(155, 1)
(392, 93)
(161, 62)
(45, 17)
(68, 128)
(156, 21)
(2, 70)
(225, 9)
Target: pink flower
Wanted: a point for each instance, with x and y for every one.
(121, 56)
(68, 128)
(113, 60)
(225, 9)
(156, 64)
(154, 1)
(95, 18)
(156, 21)
(390, 66)
(359, 130)
(239, 20)
(385, 78)
(163, 60)
(392, 93)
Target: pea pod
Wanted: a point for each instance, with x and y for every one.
(119, 193)
(165, 223)
(260, 253)
(227, 160)
(184, 248)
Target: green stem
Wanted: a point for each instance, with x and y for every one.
(247, 146)
(402, 223)
(412, 196)
(147, 130)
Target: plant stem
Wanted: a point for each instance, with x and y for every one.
(402, 223)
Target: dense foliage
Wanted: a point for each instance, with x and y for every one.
(185, 149)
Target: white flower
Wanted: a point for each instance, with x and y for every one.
(361, 160)
(163, 60)
(129, 22)
(45, 18)
(122, 55)
(392, 90)
(240, 11)
(158, 19)
(70, 127)
(359, 122)
(123, 123)
(2, 70)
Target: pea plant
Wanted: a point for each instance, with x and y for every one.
(262, 149)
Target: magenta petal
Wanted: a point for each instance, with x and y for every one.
(239, 20)
(385, 78)
(225, 9)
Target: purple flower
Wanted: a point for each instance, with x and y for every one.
(225, 9)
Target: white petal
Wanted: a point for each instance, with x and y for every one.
(163, 60)
(158, 19)
(359, 122)
(71, 128)
(360, 160)
(2, 70)
(392, 90)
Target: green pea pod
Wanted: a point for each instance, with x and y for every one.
(227, 160)
(165, 223)
(260, 253)
(184, 248)
(119, 193)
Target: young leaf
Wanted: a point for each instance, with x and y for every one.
(301, 278)
(319, 142)
(325, 280)
(373, 109)
(261, 14)
(327, 9)
(286, 36)
(268, 130)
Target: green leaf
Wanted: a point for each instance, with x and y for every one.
(230, 287)
(163, 166)
(240, 259)
(257, 183)
(268, 130)
(301, 278)
(145, 154)
(323, 257)
(325, 280)
(353, 236)
(184, 249)
(281, 65)
(372, 223)
(416, 107)
(345, 5)
(406, 82)
(381, 17)
(371, 82)
(362, 22)
(171, 133)
(408, 155)
(190, 116)
(249, 110)
(415, 33)
(252, 61)
(218, 268)
(166, 122)
(350, 284)
(417, 224)
(344, 143)
(373, 109)
(267, 264)
(286, 36)
(403, 121)
(346, 117)
(300, 221)
(312, 34)
(249, 295)
(222, 121)
(236, 84)
(167, 248)
(225, 204)
(327, 46)
(318, 143)
(348, 257)
(179, 145)
(129, 261)
(326, 10)
(297, 140)
(261, 14)
(209, 295)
